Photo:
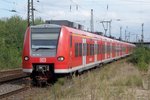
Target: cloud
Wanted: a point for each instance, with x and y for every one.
(131, 12)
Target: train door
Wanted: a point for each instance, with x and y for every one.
(95, 51)
(105, 49)
(119, 49)
(71, 52)
(116, 50)
(121, 52)
(84, 50)
(111, 49)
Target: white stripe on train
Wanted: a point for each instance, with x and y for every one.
(80, 68)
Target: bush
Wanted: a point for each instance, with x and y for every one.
(141, 58)
(11, 41)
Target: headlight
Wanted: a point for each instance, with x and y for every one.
(26, 58)
(60, 58)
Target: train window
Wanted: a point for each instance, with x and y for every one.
(76, 49)
(113, 49)
(43, 40)
(97, 48)
(70, 41)
(90, 53)
(80, 49)
(44, 37)
(84, 49)
(87, 49)
(102, 48)
(108, 49)
(105, 51)
(91, 49)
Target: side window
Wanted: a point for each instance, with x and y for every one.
(109, 48)
(80, 49)
(97, 48)
(93, 49)
(105, 48)
(70, 41)
(100, 49)
(76, 49)
(88, 50)
(84, 49)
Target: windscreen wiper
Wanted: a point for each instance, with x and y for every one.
(43, 48)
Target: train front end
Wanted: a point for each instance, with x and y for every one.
(39, 51)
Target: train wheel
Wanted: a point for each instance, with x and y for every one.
(51, 77)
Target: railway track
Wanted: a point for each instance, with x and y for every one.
(24, 92)
(12, 92)
(12, 82)
(10, 75)
(10, 71)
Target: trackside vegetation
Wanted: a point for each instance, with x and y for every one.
(11, 41)
(119, 80)
(141, 58)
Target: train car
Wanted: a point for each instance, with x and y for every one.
(53, 49)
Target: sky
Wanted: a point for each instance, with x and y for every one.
(128, 14)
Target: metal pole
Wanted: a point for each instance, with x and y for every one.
(105, 28)
(92, 24)
(32, 12)
(120, 33)
(125, 35)
(142, 36)
(136, 38)
(28, 16)
(129, 36)
(110, 28)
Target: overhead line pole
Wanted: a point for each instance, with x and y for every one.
(110, 28)
(106, 27)
(136, 37)
(142, 36)
(126, 33)
(129, 36)
(30, 11)
(92, 22)
(121, 33)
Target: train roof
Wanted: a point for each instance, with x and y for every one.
(76, 31)
(46, 26)
(96, 35)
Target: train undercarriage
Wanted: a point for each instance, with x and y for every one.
(42, 74)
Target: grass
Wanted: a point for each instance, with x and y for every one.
(117, 81)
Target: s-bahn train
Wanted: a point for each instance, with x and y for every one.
(56, 49)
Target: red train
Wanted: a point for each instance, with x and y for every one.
(52, 49)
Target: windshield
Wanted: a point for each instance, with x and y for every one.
(44, 40)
